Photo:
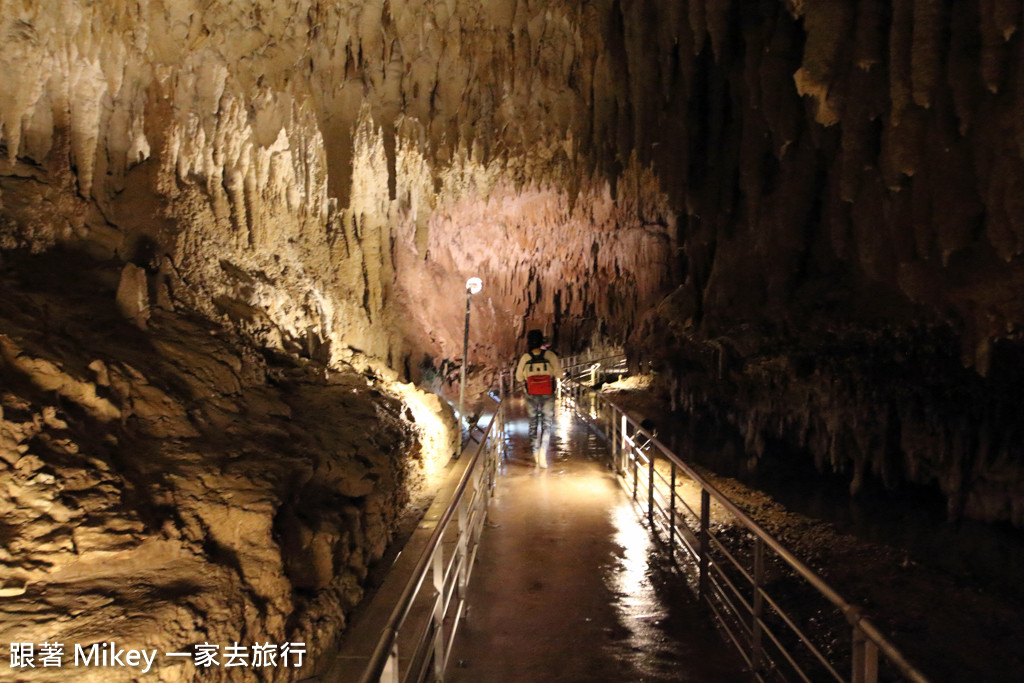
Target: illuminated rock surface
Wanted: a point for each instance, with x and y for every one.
(179, 485)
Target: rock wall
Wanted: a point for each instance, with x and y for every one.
(850, 174)
(828, 148)
(178, 485)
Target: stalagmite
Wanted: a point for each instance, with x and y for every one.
(133, 295)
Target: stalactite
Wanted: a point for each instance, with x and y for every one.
(698, 24)
(929, 24)
(362, 145)
(780, 107)
(719, 30)
(961, 66)
(869, 34)
(957, 208)
(1006, 15)
(901, 33)
(1003, 202)
(994, 52)
(903, 147)
(862, 117)
(1018, 98)
(827, 25)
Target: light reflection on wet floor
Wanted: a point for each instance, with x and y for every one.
(567, 586)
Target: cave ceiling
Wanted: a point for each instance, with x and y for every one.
(341, 167)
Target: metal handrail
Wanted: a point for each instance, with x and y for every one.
(594, 363)
(594, 355)
(867, 642)
(449, 578)
(580, 361)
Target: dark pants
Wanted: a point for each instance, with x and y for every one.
(542, 421)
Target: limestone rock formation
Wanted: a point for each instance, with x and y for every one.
(849, 173)
(805, 213)
(133, 294)
(277, 161)
(176, 486)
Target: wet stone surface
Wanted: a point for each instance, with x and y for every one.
(567, 585)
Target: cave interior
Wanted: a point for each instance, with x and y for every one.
(234, 238)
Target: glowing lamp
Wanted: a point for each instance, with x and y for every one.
(473, 286)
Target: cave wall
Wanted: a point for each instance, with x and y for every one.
(829, 148)
(175, 484)
(850, 175)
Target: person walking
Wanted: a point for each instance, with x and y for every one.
(539, 370)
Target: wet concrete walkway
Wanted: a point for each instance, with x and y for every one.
(567, 585)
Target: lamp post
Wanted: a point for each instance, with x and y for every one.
(473, 286)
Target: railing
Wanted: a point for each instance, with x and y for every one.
(758, 591)
(592, 366)
(427, 615)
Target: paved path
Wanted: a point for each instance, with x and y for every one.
(567, 586)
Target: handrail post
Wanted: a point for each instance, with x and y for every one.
(390, 673)
(650, 486)
(430, 653)
(636, 467)
(865, 658)
(672, 513)
(463, 543)
(490, 464)
(499, 453)
(758, 605)
(623, 445)
(438, 614)
(705, 544)
(497, 439)
(609, 420)
(613, 432)
(616, 451)
(716, 590)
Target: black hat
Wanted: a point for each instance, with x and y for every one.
(534, 339)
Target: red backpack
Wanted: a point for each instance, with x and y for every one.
(539, 383)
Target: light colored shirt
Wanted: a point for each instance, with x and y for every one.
(554, 366)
